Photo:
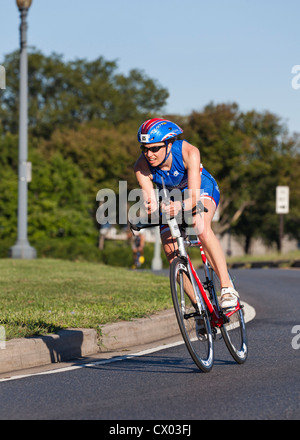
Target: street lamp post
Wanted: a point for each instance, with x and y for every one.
(22, 248)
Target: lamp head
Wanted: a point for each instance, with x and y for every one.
(23, 4)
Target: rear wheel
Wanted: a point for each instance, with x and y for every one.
(194, 326)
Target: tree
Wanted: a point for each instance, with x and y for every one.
(223, 150)
(58, 202)
(8, 187)
(81, 138)
(104, 153)
(64, 94)
(249, 154)
(271, 162)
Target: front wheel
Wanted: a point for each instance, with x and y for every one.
(234, 331)
(194, 326)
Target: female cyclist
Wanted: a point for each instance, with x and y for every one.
(178, 162)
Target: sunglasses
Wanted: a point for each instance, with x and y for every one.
(152, 149)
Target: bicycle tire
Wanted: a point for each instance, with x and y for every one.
(200, 346)
(234, 332)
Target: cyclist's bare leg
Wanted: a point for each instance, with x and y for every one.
(211, 244)
(170, 249)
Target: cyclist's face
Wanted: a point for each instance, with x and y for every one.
(154, 153)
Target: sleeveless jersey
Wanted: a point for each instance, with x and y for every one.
(177, 177)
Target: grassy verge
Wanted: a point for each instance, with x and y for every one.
(43, 296)
(288, 258)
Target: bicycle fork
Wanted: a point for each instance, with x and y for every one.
(199, 299)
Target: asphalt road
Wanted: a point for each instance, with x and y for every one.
(166, 385)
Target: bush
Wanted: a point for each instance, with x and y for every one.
(119, 253)
(115, 253)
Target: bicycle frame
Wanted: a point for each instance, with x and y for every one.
(218, 317)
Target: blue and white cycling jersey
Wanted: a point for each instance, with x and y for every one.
(176, 177)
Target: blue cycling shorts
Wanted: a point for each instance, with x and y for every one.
(209, 190)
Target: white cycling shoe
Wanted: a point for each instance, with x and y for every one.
(229, 298)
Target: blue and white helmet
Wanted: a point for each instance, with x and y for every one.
(157, 130)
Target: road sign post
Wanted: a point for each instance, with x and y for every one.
(282, 207)
(2, 78)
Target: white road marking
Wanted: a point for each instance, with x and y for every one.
(92, 364)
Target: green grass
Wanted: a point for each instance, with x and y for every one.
(288, 258)
(43, 296)
(271, 256)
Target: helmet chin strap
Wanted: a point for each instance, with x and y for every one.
(166, 155)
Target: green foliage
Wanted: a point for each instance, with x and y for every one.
(249, 154)
(74, 145)
(58, 202)
(8, 203)
(68, 248)
(119, 253)
(105, 153)
(67, 93)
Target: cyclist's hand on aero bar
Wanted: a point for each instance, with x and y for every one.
(171, 208)
(150, 205)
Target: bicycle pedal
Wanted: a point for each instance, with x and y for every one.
(192, 315)
(225, 318)
(214, 333)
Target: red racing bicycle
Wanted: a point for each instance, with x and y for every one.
(201, 323)
(200, 326)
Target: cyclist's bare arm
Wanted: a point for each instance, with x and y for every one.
(192, 161)
(144, 179)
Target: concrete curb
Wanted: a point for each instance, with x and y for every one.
(19, 354)
(122, 335)
(70, 344)
(164, 325)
